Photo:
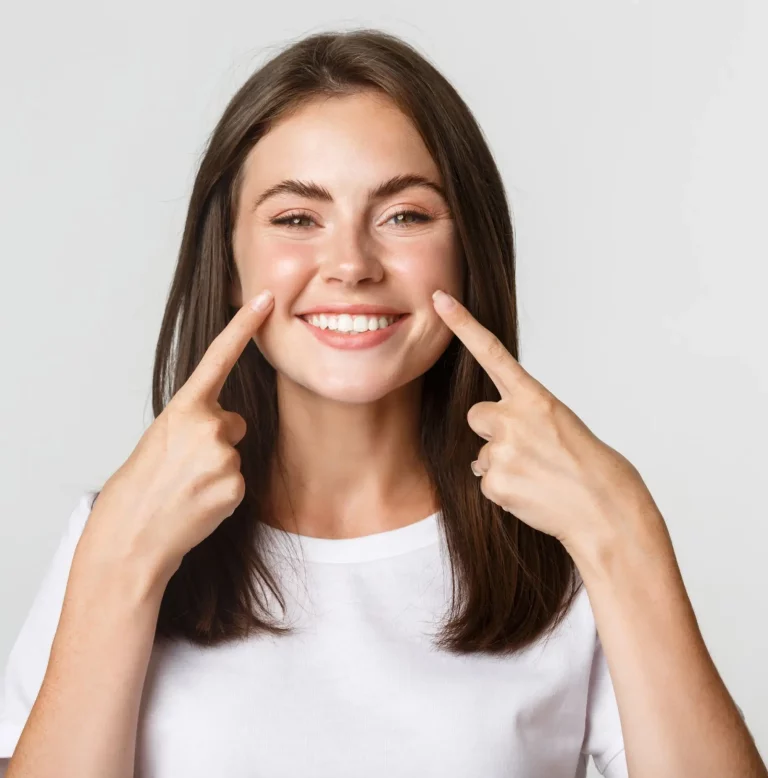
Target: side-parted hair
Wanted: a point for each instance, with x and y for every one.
(511, 584)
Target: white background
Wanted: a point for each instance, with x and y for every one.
(632, 140)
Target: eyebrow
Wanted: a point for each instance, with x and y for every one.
(316, 192)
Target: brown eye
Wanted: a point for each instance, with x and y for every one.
(289, 220)
(421, 217)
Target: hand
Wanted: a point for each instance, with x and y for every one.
(541, 462)
(183, 478)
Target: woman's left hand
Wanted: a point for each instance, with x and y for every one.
(541, 462)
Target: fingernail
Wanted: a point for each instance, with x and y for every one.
(261, 301)
(475, 469)
(443, 299)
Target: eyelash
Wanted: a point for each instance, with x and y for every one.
(284, 220)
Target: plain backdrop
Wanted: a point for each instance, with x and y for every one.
(632, 141)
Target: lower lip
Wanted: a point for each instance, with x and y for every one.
(358, 340)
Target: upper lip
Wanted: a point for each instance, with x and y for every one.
(351, 308)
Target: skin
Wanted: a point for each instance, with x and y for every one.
(539, 461)
(348, 418)
(348, 422)
(542, 463)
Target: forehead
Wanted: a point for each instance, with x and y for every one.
(348, 143)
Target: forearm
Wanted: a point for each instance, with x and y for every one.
(677, 716)
(84, 721)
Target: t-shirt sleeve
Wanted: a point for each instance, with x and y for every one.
(28, 660)
(603, 739)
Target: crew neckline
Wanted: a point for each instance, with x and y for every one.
(379, 545)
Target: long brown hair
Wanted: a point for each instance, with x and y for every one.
(510, 583)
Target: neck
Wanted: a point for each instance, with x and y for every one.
(348, 469)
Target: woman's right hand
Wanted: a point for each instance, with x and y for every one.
(183, 478)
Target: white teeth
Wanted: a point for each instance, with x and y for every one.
(346, 323)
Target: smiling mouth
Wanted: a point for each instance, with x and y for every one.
(361, 331)
(349, 324)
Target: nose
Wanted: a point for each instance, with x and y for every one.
(350, 262)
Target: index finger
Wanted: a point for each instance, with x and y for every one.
(207, 379)
(502, 368)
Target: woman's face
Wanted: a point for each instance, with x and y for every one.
(346, 249)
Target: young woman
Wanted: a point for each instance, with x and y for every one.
(359, 538)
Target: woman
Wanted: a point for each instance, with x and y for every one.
(359, 538)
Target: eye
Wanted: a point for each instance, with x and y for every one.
(289, 220)
(286, 220)
(421, 217)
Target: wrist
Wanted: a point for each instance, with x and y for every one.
(135, 579)
(636, 540)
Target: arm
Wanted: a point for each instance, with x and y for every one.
(546, 467)
(677, 716)
(84, 721)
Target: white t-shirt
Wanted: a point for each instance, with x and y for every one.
(358, 688)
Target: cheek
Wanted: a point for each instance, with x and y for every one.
(429, 266)
(282, 270)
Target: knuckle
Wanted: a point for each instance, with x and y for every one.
(481, 415)
(176, 407)
(501, 455)
(487, 485)
(176, 418)
(233, 427)
(508, 457)
(239, 425)
(233, 488)
(543, 401)
(214, 427)
(232, 459)
(491, 485)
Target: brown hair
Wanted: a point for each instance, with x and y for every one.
(511, 583)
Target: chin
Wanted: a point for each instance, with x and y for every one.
(353, 390)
